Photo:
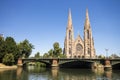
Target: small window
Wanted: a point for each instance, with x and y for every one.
(70, 34)
(88, 34)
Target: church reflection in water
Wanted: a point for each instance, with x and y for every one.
(80, 74)
(37, 73)
(66, 74)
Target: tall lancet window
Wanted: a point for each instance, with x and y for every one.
(70, 52)
(88, 34)
(88, 50)
(70, 34)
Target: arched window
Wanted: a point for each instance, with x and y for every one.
(70, 34)
(88, 34)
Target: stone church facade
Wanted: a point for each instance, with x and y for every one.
(79, 48)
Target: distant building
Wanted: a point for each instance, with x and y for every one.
(79, 48)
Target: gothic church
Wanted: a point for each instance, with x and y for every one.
(79, 48)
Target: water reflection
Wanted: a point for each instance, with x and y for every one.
(6, 74)
(19, 72)
(55, 73)
(77, 74)
(37, 73)
(108, 74)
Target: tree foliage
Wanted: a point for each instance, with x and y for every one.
(55, 52)
(25, 48)
(10, 49)
(114, 56)
(8, 59)
(10, 45)
(101, 56)
(2, 48)
(50, 52)
(45, 55)
(37, 55)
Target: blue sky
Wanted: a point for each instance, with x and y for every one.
(44, 22)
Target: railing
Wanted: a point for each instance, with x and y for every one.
(72, 58)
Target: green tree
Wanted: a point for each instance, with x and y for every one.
(2, 48)
(62, 56)
(25, 48)
(101, 56)
(114, 55)
(45, 55)
(57, 50)
(11, 47)
(8, 59)
(50, 53)
(37, 55)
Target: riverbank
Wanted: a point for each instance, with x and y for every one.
(2, 66)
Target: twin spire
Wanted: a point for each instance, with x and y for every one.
(87, 22)
(86, 42)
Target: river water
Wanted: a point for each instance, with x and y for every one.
(36, 73)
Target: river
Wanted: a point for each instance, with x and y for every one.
(36, 73)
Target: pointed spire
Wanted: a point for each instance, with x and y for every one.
(87, 16)
(87, 22)
(69, 18)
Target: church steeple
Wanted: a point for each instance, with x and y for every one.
(69, 40)
(87, 16)
(69, 19)
(69, 30)
(88, 39)
(87, 21)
